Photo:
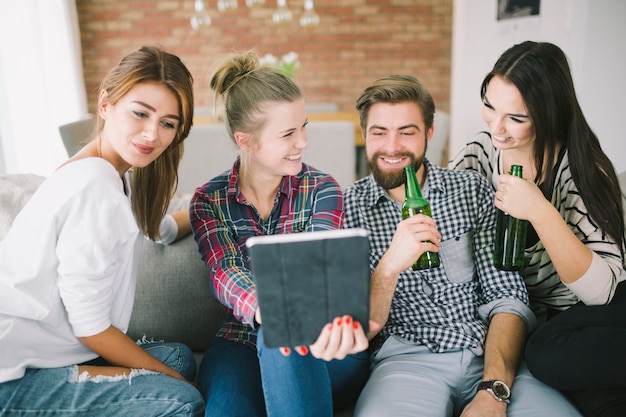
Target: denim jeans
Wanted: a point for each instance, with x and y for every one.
(59, 392)
(236, 380)
(410, 380)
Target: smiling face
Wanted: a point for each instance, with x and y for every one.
(395, 137)
(277, 150)
(505, 113)
(140, 126)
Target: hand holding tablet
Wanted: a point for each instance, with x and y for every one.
(306, 280)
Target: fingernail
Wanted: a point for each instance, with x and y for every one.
(285, 351)
(330, 327)
(348, 320)
(338, 322)
(355, 324)
(302, 350)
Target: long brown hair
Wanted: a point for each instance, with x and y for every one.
(541, 73)
(153, 186)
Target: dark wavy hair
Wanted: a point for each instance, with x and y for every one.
(541, 73)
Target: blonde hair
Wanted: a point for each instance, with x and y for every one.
(153, 186)
(243, 87)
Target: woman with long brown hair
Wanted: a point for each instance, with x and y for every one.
(69, 261)
(570, 195)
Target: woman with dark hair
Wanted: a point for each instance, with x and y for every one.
(570, 195)
(68, 264)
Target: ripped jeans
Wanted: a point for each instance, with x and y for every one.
(62, 392)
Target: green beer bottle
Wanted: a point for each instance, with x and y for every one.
(414, 204)
(510, 237)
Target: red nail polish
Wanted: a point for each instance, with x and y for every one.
(348, 320)
(285, 351)
(303, 350)
(338, 322)
(355, 324)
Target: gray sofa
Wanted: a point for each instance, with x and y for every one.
(174, 301)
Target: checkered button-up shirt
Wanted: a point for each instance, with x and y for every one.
(449, 307)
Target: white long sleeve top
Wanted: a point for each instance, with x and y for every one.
(67, 268)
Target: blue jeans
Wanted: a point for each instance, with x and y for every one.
(410, 380)
(236, 380)
(58, 392)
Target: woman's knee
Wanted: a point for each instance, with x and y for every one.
(175, 355)
(228, 370)
(191, 401)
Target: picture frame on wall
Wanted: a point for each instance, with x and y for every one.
(509, 9)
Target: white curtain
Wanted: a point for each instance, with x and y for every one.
(41, 83)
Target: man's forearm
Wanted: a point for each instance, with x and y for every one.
(503, 348)
(382, 288)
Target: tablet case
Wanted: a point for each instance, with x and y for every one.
(305, 280)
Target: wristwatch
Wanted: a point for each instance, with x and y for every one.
(499, 389)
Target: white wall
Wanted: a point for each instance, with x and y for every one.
(591, 33)
(41, 83)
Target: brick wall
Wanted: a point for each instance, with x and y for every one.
(356, 42)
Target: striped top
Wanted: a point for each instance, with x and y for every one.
(546, 290)
(222, 220)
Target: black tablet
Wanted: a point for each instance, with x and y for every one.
(305, 280)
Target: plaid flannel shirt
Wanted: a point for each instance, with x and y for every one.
(222, 220)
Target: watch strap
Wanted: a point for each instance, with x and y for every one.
(499, 389)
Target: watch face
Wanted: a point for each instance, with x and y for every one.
(500, 390)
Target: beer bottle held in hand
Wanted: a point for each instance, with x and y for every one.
(414, 204)
(510, 237)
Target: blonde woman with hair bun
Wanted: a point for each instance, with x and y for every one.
(269, 190)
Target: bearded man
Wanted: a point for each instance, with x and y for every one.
(452, 336)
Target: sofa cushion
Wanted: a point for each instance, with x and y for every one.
(174, 301)
(15, 191)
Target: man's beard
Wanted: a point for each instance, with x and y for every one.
(389, 179)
